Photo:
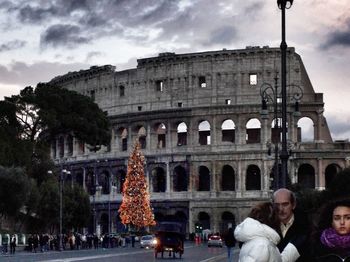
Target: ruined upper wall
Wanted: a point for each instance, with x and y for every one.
(170, 80)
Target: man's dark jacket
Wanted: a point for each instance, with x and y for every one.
(298, 235)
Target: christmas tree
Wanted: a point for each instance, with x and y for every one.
(135, 209)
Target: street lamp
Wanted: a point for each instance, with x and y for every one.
(283, 5)
(63, 173)
(271, 94)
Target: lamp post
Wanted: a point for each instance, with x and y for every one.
(271, 94)
(283, 5)
(61, 179)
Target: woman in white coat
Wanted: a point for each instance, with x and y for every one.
(259, 237)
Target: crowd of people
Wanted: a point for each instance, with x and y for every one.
(75, 241)
(278, 232)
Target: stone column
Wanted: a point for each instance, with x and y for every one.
(320, 182)
(168, 189)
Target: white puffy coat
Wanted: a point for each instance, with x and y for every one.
(259, 243)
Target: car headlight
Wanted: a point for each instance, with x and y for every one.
(154, 241)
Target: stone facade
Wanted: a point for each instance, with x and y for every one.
(208, 144)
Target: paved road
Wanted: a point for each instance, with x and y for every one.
(193, 253)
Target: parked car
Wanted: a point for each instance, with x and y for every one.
(148, 241)
(215, 241)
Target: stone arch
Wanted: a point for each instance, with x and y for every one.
(227, 178)
(161, 135)
(104, 182)
(305, 130)
(142, 134)
(123, 138)
(204, 220)
(330, 172)
(253, 178)
(104, 223)
(121, 175)
(61, 146)
(306, 176)
(203, 179)
(158, 179)
(180, 179)
(69, 145)
(182, 134)
(276, 130)
(228, 131)
(204, 133)
(253, 131)
(227, 220)
(158, 216)
(79, 177)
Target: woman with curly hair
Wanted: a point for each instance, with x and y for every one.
(258, 236)
(331, 237)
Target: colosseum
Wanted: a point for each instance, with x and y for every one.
(208, 124)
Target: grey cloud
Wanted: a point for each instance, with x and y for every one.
(12, 45)
(339, 127)
(21, 73)
(338, 37)
(63, 35)
(222, 35)
(35, 15)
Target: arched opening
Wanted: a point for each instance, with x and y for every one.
(204, 133)
(121, 174)
(204, 220)
(330, 172)
(228, 131)
(305, 130)
(180, 179)
(253, 178)
(182, 134)
(142, 137)
(123, 134)
(228, 178)
(161, 135)
(90, 183)
(158, 217)
(61, 146)
(204, 179)
(104, 223)
(79, 178)
(158, 179)
(253, 128)
(103, 181)
(227, 221)
(276, 130)
(70, 145)
(306, 176)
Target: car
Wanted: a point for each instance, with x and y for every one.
(215, 241)
(148, 241)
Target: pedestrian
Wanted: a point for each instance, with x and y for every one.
(13, 243)
(259, 237)
(294, 226)
(331, 237)
(230, 243)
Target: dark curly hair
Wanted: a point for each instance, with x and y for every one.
(265, 213)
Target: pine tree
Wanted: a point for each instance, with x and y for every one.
(136, 208)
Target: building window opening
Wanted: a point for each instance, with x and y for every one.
(182, 134)
(228, 101)
(204, 179)
(159, 86)
(180, 179)
(202, 82)
(253, 178)
(139, 108)
(179, 104)
(158, 179)
(228, 131)
(204, 133)
(70, 145)
(142, 137)
(121, 91)
(161, 131)
(253, 129)
(306, 176)
(253, 79)
(92, 95)
(228, 178)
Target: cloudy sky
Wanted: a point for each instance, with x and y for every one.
(41, 39)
